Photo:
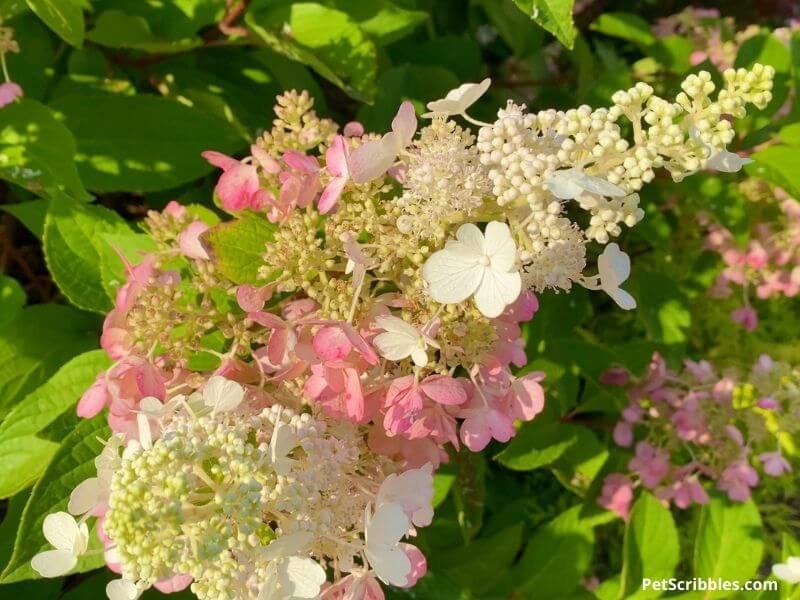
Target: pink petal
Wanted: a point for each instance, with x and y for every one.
(301, 162)
(419, 566)
(223, 161)
(444, 390)
(336, 157)
(251, 298)
(267, 320)
(189, 241)
(269, 164)
(353, 395)
(475, 433)
(405, 123)
(237, 184)
(9, 91)
(330, 196)
(331, 343)
(176, 583)
(371, 160)
(527, 396)
(93, 399)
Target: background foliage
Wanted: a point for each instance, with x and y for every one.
(120, 99)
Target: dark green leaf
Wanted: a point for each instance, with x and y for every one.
(142, 143)
(65, 17)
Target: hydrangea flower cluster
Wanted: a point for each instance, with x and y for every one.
(768, 264)
(285, 382)
(697, 427)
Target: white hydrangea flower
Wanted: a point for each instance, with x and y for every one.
(382, 533)
(400, 340)
(788, 571)
(457, 101)
(291, 576)
(474, 264)
(727, 162)
(413, 491)
(615, 268)
(122, 589)
(69, 538)
(568, 184)
(222, 395)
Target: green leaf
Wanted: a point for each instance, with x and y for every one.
(142, 143)
(12, 299)
(650, 549)
(24, 455)
(238, 246)
(326, 40)
(557, 556)
(537, 444)
(554, 16)
(626, 26)
(383, 20)
(36, 343)
(730, 540)
(790, 134)
(65, 17)
(72, 241)
(480, 564)
(469, 492)
(71, 464)
(581, 462)
(37, 152)
(116, 29)
(521, 34)
(40, 48)
(778, 165)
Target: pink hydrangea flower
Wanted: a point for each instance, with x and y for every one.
(617, 494)
(774, 463)
(650, 463)
(737, 479)
(9, 91)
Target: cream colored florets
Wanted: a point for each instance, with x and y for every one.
(444, 180)
(211, 493)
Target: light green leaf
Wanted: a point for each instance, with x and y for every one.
(581, 462)
(23, 455)
(12, 299)
(326, 40)
(383, 20)
(116, 29)
(554, 16)
(142, 143)
(36, 343)
(71, 464)
(790, 134)
(778, 165)
(626, 26)
(72, 240)
(557, 556)
(37, 152)
(65, 17)
(523, 35)
(537, 444)
(650, 549)
(730, 540)
(238, 246)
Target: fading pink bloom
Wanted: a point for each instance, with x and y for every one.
(415, 453)
(238, 183)
(746, 317)
(623, 434)
(94, 399)
(526, 396)
(702, 371)
(684, 492)
(353, 129)
(650, 463)
(127, 382)
(251, 298)
(356, 586)
(419, 566)
(176, 583)
(616, 376)
(485, 418)
(336, 158)
(189, 241)
(617, 494)
(9, 91)
(373, 158)
(737, 479)
(405, 398)
(774, 463)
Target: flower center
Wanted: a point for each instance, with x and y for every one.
(484, 261)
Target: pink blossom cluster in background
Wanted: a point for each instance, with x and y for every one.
(696, 428)
(767, 265)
